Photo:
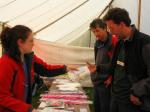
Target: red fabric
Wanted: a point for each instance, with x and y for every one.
(14, 101)
(110, 53)
(113, 43)
(114, 40)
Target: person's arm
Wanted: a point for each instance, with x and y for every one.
(44, 69)
(143, 87)
(6, 96)
(103, 67)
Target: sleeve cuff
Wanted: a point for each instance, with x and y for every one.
(30, 110)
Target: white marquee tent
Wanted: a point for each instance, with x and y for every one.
(62, 26)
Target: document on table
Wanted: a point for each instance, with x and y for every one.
(74, 75)
(49, 109)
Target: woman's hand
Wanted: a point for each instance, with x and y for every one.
(72, 68)
(34, 110)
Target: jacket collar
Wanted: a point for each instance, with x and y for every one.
(99, 43)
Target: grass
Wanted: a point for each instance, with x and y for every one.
(89, 93)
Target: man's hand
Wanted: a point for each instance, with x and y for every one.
(135, 100)
(108, 81)
(91, 67)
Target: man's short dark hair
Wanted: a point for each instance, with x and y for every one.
(98, 23)
(118, 15)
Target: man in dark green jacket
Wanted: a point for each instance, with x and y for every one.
(104, 46)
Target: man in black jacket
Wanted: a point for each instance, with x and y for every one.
(130, 65)
(104, 47)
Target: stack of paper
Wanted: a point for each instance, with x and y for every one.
(49, 109)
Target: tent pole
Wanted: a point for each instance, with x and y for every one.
(108, 6)
(3, 26)
(139, 14)
(90, 38)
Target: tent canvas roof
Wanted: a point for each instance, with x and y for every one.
(38, 13)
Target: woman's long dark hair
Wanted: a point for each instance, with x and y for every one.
(9, 38)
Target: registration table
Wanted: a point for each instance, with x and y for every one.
(64, 95)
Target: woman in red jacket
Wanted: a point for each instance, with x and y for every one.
(17, 67)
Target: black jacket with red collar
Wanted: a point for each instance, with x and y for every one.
(104, 52)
